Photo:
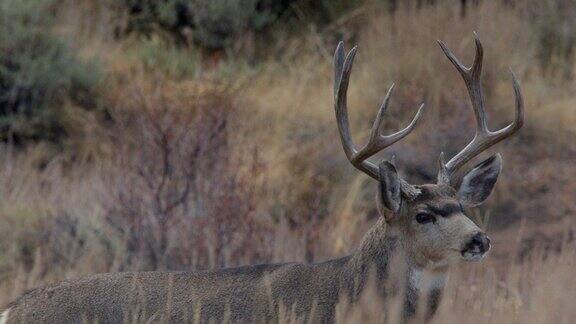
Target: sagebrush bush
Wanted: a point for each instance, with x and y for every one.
(38, 73)
(158, 55)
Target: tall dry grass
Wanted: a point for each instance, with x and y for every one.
(539, 290)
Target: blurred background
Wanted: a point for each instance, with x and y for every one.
(195, 134)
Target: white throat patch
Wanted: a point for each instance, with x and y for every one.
(427, 280)
(4, 316)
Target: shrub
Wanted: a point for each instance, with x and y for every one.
(216, 24)
(38, 73)
(181, 197)
(148, 15)
(160, 56)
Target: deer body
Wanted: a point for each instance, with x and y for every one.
(244, 294)
(424, 225)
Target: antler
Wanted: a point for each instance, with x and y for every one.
(377, 141)
(484, 138)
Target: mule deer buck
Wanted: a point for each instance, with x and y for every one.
(425, 224)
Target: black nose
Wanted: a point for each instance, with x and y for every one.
(479, 243)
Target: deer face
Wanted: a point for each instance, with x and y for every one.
(431, 219)
(436, 231)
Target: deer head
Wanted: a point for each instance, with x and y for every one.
(430, 219)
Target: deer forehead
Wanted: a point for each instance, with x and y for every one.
(437, 199)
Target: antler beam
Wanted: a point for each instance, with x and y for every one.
(377, 141)
(484, 138)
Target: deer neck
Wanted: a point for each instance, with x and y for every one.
(372, 259)
(380, 248)
(377, 247)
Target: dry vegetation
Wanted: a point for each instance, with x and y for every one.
(201, 162)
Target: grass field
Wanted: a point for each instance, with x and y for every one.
(195, 160)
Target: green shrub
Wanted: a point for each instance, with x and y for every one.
(146, 16)
(215, 24)
(38, 73)
(159, 55)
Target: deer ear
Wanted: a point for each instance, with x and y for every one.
(478, 183)
(389, 187)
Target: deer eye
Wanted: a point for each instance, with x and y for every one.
(424, 218)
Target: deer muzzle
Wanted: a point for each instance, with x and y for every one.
(476, 247)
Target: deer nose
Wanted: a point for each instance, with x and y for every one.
(479, 243)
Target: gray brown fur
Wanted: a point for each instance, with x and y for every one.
(245, 294)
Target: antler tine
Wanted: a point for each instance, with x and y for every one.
(471, 76)
(484, 138)
(342, 70)
(376, 141)
(338, 66)
(443, 174)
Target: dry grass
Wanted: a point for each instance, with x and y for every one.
(540, 290)
(279, 162)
